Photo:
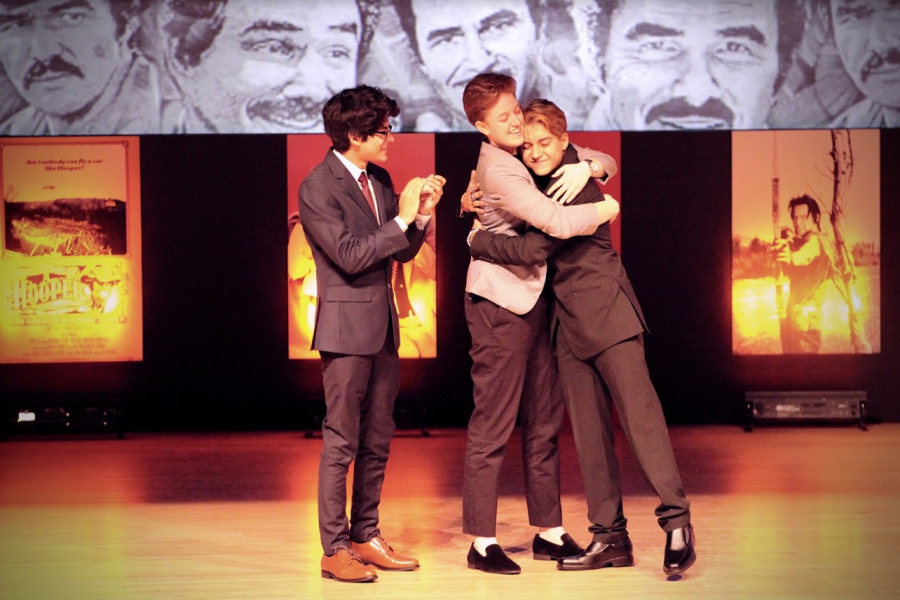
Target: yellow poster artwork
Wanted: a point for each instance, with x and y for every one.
(70, 262)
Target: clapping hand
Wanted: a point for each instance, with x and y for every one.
(431, 193)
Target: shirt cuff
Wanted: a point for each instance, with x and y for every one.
(422, 220)
(401, 223)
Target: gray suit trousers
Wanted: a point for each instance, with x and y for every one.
(619, 376)
(359, 423)
(514, 373)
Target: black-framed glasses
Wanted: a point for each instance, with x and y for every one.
(383, 132)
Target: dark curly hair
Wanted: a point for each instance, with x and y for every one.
(359, 111)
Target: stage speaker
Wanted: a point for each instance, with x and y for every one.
(806, 407)
(63, 416)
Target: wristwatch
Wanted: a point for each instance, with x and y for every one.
(593, 167)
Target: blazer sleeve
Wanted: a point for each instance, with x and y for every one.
(323, 223)
(515, 193)
(414, 237)
(530, 249)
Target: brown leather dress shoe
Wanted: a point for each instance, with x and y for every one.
(379, 553)
(345, 565)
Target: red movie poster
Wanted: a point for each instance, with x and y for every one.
(415, 288)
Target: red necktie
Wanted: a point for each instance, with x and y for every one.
(364, 181)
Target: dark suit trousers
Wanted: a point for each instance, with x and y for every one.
(359, 423)
(513, 372)
(619, 376)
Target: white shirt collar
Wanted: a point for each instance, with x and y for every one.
(354, 170)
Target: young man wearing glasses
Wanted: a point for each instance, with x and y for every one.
(357, 227)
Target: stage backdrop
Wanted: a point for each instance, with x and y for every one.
(806, 247)
(414, 283)
(71, 250)
(100, 67)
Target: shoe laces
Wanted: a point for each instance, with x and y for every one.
(384, 541)
(353, 555)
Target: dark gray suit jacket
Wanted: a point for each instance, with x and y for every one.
(595, 303)
(354, 256)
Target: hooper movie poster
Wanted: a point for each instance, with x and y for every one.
(71, 250)
(806, 246)
(414, 282)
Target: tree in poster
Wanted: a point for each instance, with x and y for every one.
(844, 274)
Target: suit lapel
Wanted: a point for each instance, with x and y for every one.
(352, 186)
(349, 184)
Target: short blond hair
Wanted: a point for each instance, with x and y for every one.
(543, 112)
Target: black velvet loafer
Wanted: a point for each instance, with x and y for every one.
(496, 561)
(544, 550)
(678, 561)
(597, 556)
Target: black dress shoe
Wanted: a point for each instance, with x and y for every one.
(544, 550)
(496, 561)
(678, 561)
(597, 556)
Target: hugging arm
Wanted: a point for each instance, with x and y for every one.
(530, 249)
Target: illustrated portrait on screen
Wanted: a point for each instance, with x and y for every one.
(806, 252)
(246, 66)
(101, 67)
(867, 36)
(76, 69)
(679, 64)
(457, 40)
(845, 71)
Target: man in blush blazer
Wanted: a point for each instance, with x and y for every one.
(357, 228)
(598, 327)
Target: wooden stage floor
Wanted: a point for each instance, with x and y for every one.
(804, 512)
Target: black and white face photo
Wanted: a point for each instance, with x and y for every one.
(867, 36)
(679, 64)
(458, 40)
(60, 55)
(268, 66)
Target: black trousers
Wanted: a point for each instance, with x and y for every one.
(514, 373)
(359, 423)
(619, 376)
